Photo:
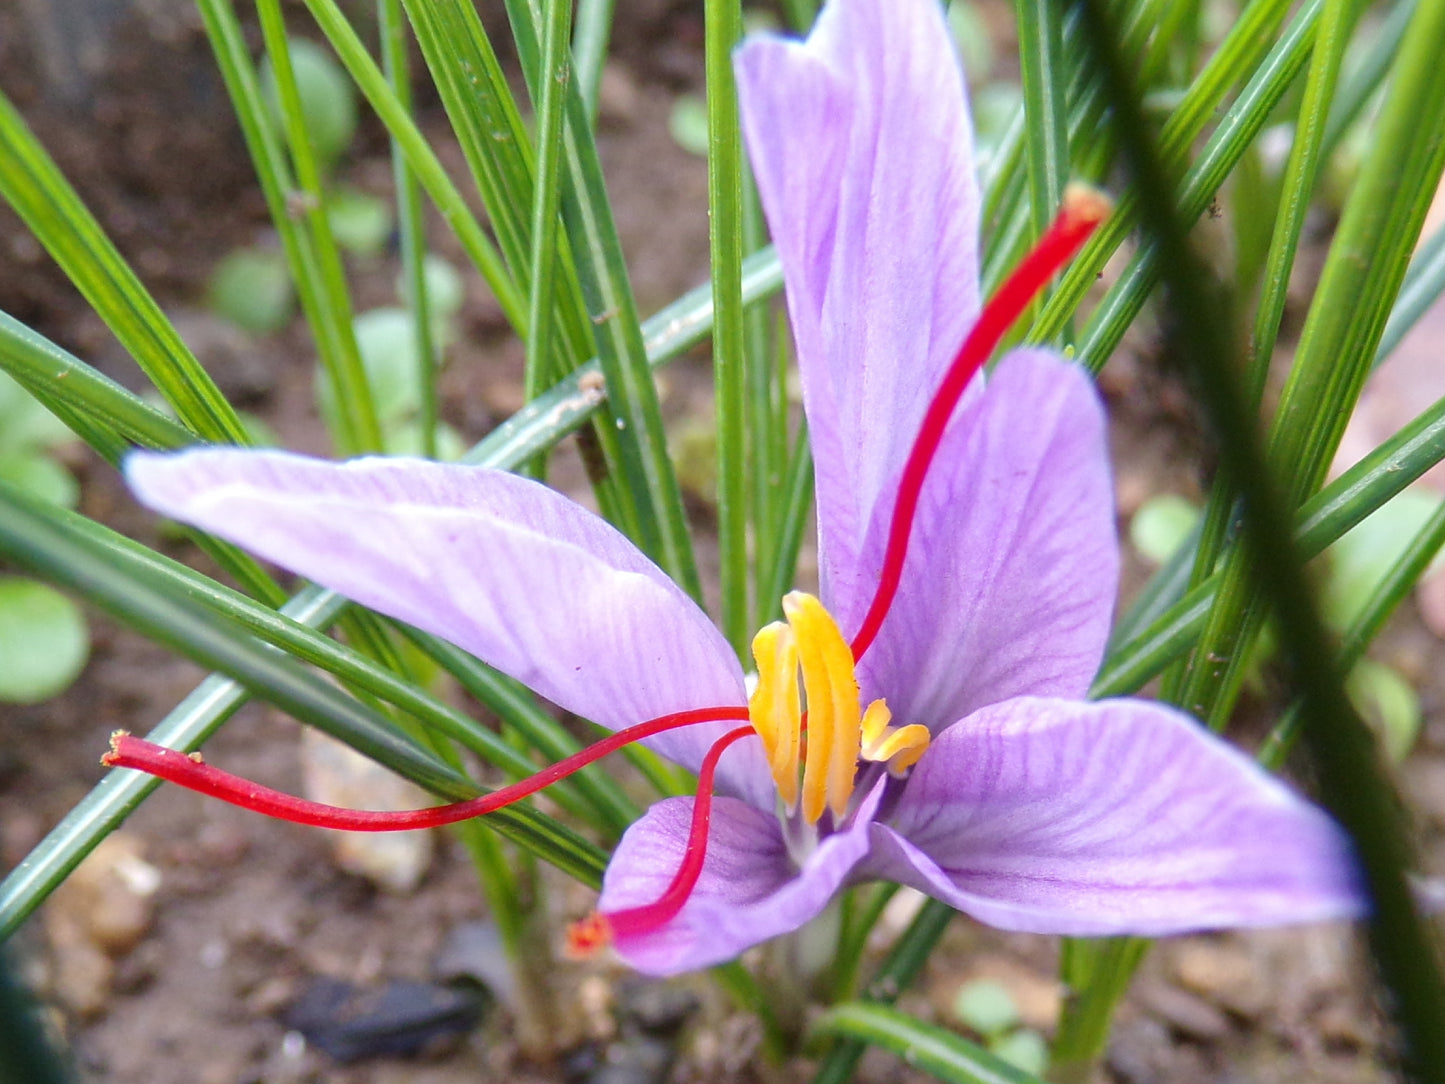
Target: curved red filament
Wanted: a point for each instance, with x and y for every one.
(128, 751)
(1083, 210)
(597, 930)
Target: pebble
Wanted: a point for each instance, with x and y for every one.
(338, 775)
(1138, 1050)
(1424, 784)
(1395, 392)
(1133, 485)
(501, 397)
(1142, 1051)
(618, 96)
(82, 976)
(594, 1002)
(1345, 1024)
(395, 1018)
(272, 995)
(657, 1008)
(1226, 974)
(1185, 1013)
(1430, 598)
(636, 1060)
(473, 951)
(650, 1017)
(900, 911)
(100, 913)
(20, 830)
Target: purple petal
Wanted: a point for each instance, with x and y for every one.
(1120, 817)
(862, 147)
(1011, 573)
(750, 889)
(506, 568)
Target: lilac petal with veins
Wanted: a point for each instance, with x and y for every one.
(504, 567)
(751, 889)
(1011, 574)
(862, 146)
(1116, 817)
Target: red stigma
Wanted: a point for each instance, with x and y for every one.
(128, 751)
(1083, 210)
(588, 936)
(632, 921)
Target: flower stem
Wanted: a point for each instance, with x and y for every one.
(1083, 210)
(128, 751)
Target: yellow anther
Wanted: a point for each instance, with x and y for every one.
(839, 732)
(775, 707)
(874, 726)
(898, 747)
(833, 712)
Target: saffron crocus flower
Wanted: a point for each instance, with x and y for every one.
(966, 544)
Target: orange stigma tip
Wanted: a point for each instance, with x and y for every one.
(1085, 205)
(589, 936)
(108, 759)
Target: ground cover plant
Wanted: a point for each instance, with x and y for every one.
(943, 712)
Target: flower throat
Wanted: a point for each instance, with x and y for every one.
(815, 738)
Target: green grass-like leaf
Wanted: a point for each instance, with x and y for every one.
(723, 21)
(941, 1054)
(46, 543)
(672, 331)
(542, 368)
(1350, 782)
(32, 184)
(904, 962)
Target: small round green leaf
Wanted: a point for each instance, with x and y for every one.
(361, 223)
(445, 290)
(687, 124)
(1025, 1049)
(43, 641)
(259, 430)
(1363, 556)
(405, 439)
(759, 21)
(972, 37)
(251, 287)
(985, 1006)
(994, 107)
(24, 423)
(386, 338)
(1161, 525)
(693, 446)
(41, 476)
(1388, 703)
(328, 98)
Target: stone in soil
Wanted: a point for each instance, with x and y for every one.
(396, 1018)
(1225, 974)
(99, 914)
(338, 775)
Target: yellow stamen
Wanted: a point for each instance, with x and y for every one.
(775, 706)
(875, 724)
(833, 712)
(898, 747)
(839, 732)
